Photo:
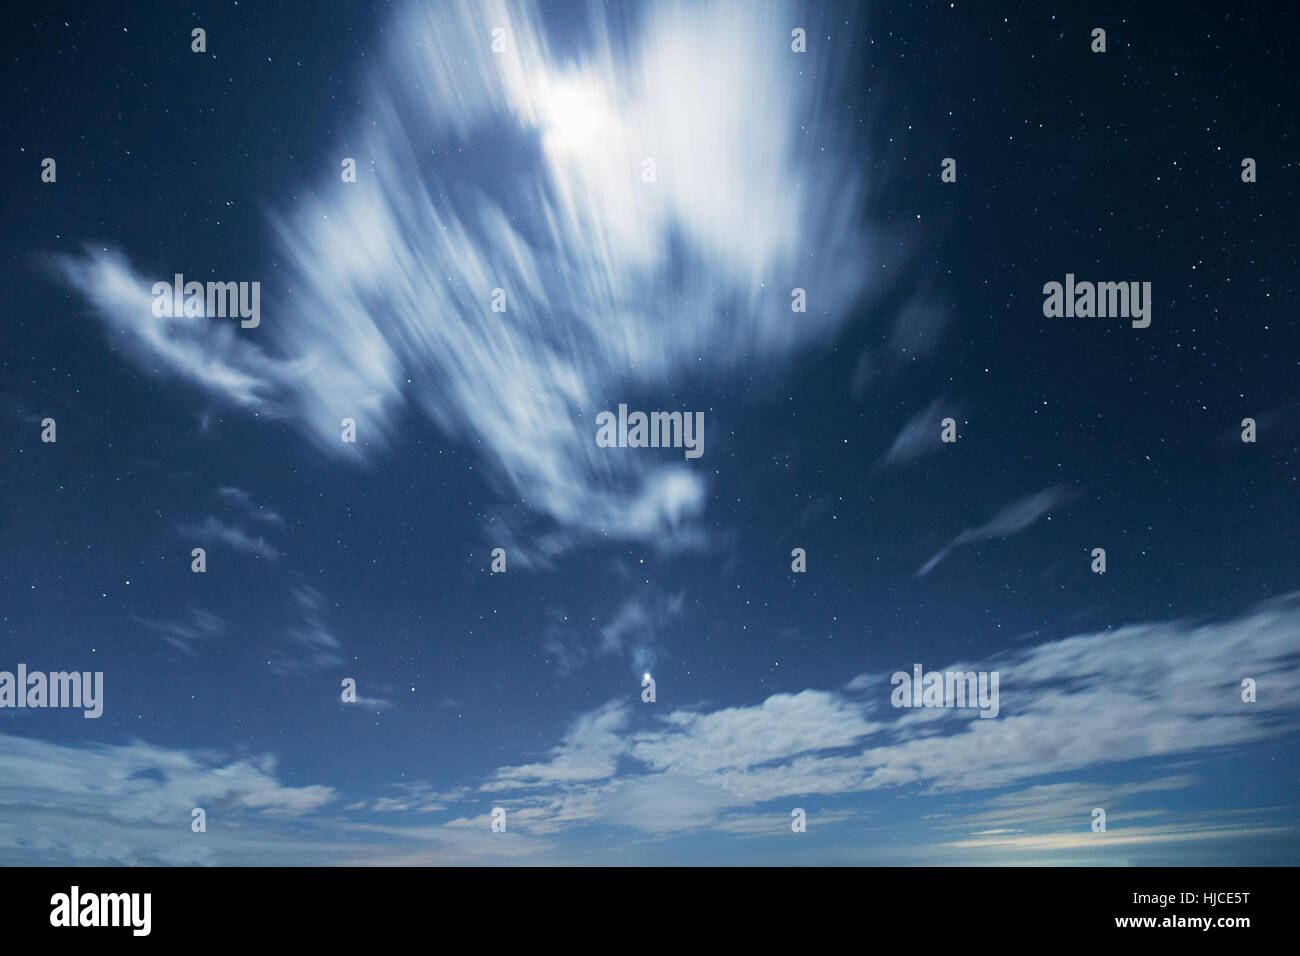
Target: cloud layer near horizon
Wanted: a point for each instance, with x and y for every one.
(1147, 692)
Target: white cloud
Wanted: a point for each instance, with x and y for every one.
(589, 751)
(131, 803)
(920, 436)
(242, 502)
(738, 738)
(613, 285)
(1143, 692)
(210, 355)
(1131, 699)
(1012, 519)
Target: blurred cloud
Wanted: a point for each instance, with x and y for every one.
(187, 636)
(614, 286)
(920, 436)
(242, 502)
(213, 529)
(1012, 519)
(313, 647)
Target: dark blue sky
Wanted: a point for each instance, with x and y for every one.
(523, 170)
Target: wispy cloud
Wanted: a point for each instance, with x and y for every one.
(916, 331)
(373, 703)
(1065, 805)
(242, 502)
(210, 355)
(634, 631)
(1080, 838)
(314, 647)
(1012, 519)
(920, 436)
(412, 797)
(213, 529)
(189, 635)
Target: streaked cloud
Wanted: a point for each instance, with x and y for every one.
(242, 502)
(312, 646)
(213, 530)
(920, 436)
(1012, 519)
(614, 286)
(189, 635)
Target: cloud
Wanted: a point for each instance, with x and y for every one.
(1084, 839)
(1140, 693)
(1058, 805)
(614, 286)
(131, 803)
(1012, 519)
(209, 355)
(242, 501)
(214, 529)
(1129, 701)
(920, 436)
(778, 824)
(315, 648)
(633, 631)
(915, 333)
(413, 797)
(636, 628)
(665, 803)
(589, 751)
(188, 636)
(737, 738)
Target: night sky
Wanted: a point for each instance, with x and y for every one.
(524, 170)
